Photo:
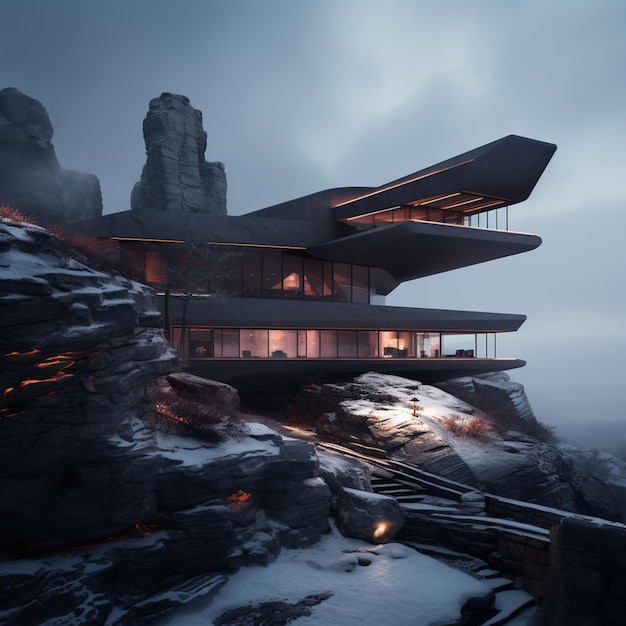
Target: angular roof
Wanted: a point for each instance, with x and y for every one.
(506, 170)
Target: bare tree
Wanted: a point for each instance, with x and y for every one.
(191, 268)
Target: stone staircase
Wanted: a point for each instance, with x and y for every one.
(446, 503)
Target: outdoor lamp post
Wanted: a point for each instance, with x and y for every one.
(414, 400)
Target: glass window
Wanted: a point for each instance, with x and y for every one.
(293, 282)
(312, 344)
(432, 345)
(360, 284)
(301, 343)
(272, 273)
(157, 268)
(405, 344)
(253, 342)
(252, 275)
(200, 343)
(328, 348)
(132, 258)
(328, 280)
(313, 278)
(367, 344)
(342, 282)
(175, 339)
(226, 342)
(388, 343)
(347, 343)
(283, 344)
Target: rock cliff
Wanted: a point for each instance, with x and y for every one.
(445, 435)
(122, 521)
(31, 178)
(176, 176)
(77, 348)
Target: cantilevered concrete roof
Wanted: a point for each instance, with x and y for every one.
(507, 169)
(409, 250)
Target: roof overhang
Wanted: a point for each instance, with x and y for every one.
(409, 250)
(266, 313)
(505, 170)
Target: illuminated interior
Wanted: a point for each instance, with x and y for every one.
(451, 208)
(330, 343)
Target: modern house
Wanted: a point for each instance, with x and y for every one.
(295, 291)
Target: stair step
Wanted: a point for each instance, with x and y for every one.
(509, 603)
(499, 583)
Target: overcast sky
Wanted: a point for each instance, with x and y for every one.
(303, 95)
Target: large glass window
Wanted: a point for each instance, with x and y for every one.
(312, 344)
(204, 343)
(342, 282)
(313, 278)
(328, 340)
(367, 344)
(293, 282)
(156, 267)
(388, 343)
(347, 343)
(360, 284)
(226, 342)
(254, 342)
(272, 273)
(200, 343)
(252, 274)
(283, 344)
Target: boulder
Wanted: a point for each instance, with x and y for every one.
(373, 517)
(176, 176)
(31, 178)
(220, 396)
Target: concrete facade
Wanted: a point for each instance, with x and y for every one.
(291, 292)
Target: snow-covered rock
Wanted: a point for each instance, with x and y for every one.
(447, 435)
(78, 348)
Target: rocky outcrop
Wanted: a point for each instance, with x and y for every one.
(494, 392)
(153, 519)
(387, 415)
(176, 176)
(220, 396)
(77, 348)
(31, 178)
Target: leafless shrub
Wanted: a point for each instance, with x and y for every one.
(199, 417)
(476, 426)
(496, 407)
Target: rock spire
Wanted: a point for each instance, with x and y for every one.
(176, 176)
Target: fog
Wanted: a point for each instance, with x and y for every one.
(302, 96)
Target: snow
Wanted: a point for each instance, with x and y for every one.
(188, 451)
(399, 586)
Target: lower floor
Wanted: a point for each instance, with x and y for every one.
(204, 342)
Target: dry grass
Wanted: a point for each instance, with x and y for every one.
(197, 415)
(476, 427)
